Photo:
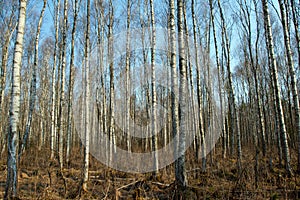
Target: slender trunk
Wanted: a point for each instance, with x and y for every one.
(112, 87)
(71, 83)
(292, 74)
(181, 176)
(296, 19)
(194, 124)
(199, 95)
(53, 98)
(270, 43)
(127, 71)
(145, 71)
(231, 98)
(174, 82)
(254, 67)
(61, 120)
(100, 39)
(8, 34)
(7, 39)
(33, 83)
(87, 101)
(12, 139)
(153, 87)
(219, 80)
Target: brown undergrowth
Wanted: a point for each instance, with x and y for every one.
(41, 178)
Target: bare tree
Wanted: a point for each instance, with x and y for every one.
(33, 83)
(181, 176)
(127, 71)
(8, 33)
(87, 100)
(54, 91)
(231, 99)
(219, 80)
(199, 94)
(112, 85)
(71, 82)
(153, 86)
(12, 139)
(270, 48)
(292, 72)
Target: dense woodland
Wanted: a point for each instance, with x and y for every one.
(215, 81)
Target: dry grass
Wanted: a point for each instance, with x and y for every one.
(40, 178)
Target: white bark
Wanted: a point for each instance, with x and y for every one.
(87, 102)
(153, 87)
(71, 83)
(61, 122)
(12, 141)
(219, 81)
(53, 98)
(32, 97)
(174, 80)
(292, 73)
(181, 176)
(127, 71)
(231, 98)
(270, 48)
(112, 148)
(201, 134)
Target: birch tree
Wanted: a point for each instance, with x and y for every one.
(32, 97)
(153, 86)
(181, 176)
(110, 47)
(174, 82)
(12, 139)
(8, 33)
(231, 98)
(87, 100)
(53, 88)
(219, 79)
(61, 119)
(127, 71)
(199, 93)
(273, 64)
(290, 64)
(71, 82)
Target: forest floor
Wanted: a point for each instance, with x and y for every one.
(40, 178)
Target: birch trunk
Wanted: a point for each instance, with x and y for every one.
(12, 139)
(219, 81)
(61, 119)
(127, 71)
(254, 67)
(296, 20)
(199, 95)
(292, 73)
(32, 97)
(7, 38)
(53, 98)
(71, 83)
(100, 39)
(231, 98)
(181, 176)
(153, 87)
(174, 82)
(270, 43)
(87, 101)
(112, 86)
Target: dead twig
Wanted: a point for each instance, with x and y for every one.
(106, 193)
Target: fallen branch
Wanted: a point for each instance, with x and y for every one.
(106, 194)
